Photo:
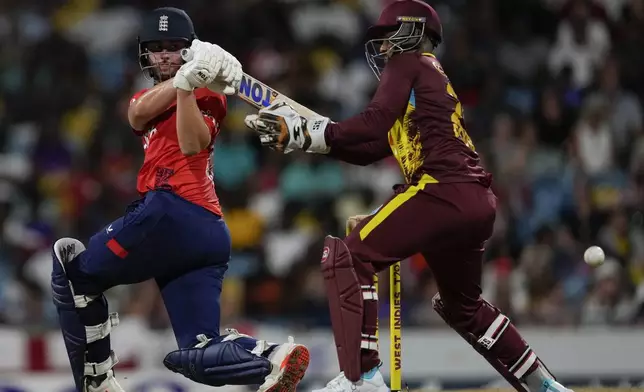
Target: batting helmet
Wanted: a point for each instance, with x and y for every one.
(163, 24)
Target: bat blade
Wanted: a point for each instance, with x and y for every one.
(260, 95)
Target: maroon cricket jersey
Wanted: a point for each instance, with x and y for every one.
(415, 116)
(165, 166)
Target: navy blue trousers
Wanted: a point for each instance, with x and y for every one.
(184, 247)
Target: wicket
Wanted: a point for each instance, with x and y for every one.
(395, 319)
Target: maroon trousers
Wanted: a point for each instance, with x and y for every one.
(448, 224)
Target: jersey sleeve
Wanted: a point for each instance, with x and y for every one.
(364, 153)
(348, 137)
(136, 96)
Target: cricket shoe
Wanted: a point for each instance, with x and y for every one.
(108, 384)
(371, 381)
(290, 361)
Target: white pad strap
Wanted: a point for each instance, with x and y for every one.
(494, 331)
(521, 366)
(369, 342)
(260, 345)
(98, 332)
(233, 334)
(203, 341)
(97, 369)
(81, 301)
(369, 293)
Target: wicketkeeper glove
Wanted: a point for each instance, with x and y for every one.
(282, 128)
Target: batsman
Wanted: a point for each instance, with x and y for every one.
(445, 210)
(175, 233)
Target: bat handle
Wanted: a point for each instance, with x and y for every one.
(186, 54)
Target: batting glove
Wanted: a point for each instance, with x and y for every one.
(282, 128)
(203, 63)
(229, 78)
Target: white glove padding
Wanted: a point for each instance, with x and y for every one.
(203, 64)
(282, 128)
(230, 76)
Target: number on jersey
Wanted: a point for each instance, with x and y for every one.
(458, 121)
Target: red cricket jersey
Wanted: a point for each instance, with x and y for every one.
(165, 166)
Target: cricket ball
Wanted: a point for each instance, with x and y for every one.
(594, 255)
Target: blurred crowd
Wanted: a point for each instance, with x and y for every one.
(553, 93)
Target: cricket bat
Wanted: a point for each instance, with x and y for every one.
(260, 95)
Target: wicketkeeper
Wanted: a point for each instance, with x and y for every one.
(445, 210)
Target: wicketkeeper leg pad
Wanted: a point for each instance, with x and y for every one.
(217, 362)
(513, 371)
(346, 304)
(84, 320)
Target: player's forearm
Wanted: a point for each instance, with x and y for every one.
(362, 139)
(192, 131)
(151, 104)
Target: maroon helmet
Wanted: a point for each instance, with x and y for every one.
(401, 28)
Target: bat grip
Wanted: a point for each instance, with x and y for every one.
(186, 54)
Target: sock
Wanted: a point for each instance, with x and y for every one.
(370, 374)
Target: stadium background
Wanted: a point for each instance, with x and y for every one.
(553, 93)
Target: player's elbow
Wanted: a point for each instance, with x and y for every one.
(193, 147)
(190, 150)
(191, 144)
(136, 118)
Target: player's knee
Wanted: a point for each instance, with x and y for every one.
(92, 309)
(64, 251)
(337, 255)
(347, 252)
(218, 362)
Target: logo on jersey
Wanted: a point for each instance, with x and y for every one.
(162, 178)
(147, 138)
(207, 115)
(439, 68)
(163, 23)
(325, 254)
